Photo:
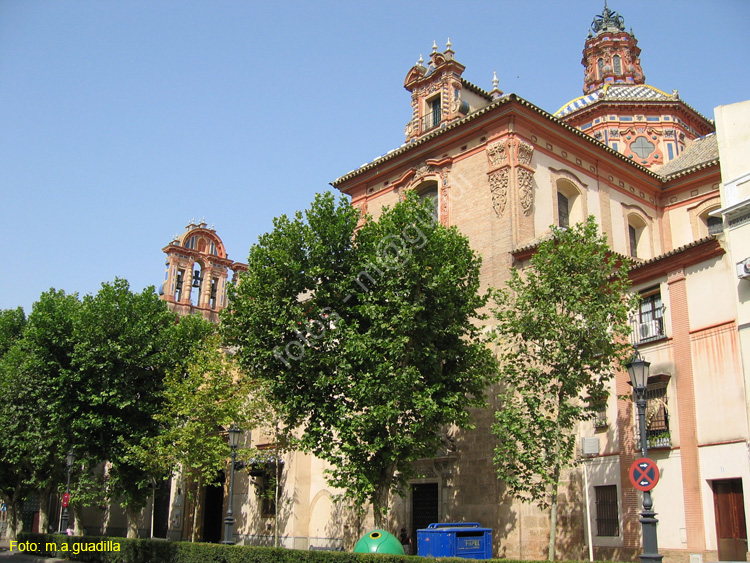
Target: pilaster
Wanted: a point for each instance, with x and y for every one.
(690, 462)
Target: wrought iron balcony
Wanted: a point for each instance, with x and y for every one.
(430, 121)
(646, 331)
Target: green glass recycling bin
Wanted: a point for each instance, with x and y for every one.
(379, 541)
(463, 539)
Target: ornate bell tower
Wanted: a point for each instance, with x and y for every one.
(611, 55)
(619, 109)
(197, 270)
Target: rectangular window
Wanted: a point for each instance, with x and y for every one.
(600, 420)
(650, 325)
(670, 151)
(264, 480)
(657, 417)
(432, 115)
(607, 520)
(563, 217)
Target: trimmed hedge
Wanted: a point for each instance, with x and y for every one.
(77, 548)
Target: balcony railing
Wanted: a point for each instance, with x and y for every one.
(658, 439)
(430, 121)
(645, 331)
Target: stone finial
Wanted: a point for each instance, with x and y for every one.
(495, 81)
(420, 62)
(448, 45)
(608, 21)
(434, 46)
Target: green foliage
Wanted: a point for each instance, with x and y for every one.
(35, 414)
(562, 330)
(202, 398)
(367, 338)
(121, 355)
(12, 325)
(150, 551)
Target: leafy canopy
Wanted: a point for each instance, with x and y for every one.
(366, 337)
(562, 331)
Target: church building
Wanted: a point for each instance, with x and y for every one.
(646, 165)
(502, 170)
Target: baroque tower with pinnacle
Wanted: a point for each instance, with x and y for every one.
(619, 109)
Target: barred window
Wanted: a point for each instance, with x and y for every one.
(607, 521)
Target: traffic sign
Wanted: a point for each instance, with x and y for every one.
(644, 475)
(66, 499)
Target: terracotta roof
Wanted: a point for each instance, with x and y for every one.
(473, 115)
(619, 93)
(476, 89)
(644, 263)
(702, 152)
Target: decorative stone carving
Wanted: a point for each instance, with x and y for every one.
(496, 153)
(525, 152)
(499, 188)
(422, 170)
(526, 189)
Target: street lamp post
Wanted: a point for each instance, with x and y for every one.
(69, 459)
(234, 440)
(638, 371)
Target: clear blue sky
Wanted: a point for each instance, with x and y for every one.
(120, 121)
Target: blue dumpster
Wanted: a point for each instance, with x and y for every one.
(464, 539)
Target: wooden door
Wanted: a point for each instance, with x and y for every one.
(729, 507)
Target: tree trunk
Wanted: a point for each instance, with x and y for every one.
(196, 506)
(380, 505)
(553, 515)
(13, 519)
(132, 515)
(75, 520)
(44, 498)
(276, 501)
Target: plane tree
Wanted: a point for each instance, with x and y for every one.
(367, 334)
(562, 330)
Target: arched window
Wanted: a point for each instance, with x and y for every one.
(429, 191)
(563, 210)
(213, 300)
(197, 284)
(178, 285)
(710, 224)
(705, 219)
(569, 203)
(617, 64)
(600, 66)
(638, 237)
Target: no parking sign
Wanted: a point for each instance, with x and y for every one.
(644, 475)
